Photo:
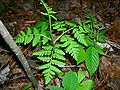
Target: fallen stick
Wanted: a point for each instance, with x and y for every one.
(16, 50)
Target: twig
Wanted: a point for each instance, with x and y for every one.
(72, 66)
(113, 44)
(63, 34)
(16, 50)
(46, 37)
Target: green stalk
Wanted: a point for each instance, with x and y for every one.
(45, 5)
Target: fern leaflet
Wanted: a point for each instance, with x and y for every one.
(51, 56)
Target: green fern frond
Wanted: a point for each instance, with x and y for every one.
(73, 48)
(80, 36)
(35, 34)
(60, 26)
(49, 10)
(53, 57)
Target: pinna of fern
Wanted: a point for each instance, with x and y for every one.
(53, 58)
(35, 35)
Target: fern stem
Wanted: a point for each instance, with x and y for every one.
(50, 27)
(72, 66)
(63, 34)
(46, 37)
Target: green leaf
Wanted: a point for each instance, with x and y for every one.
(102, 32)
(59, 51)
(35, 31)
(48, 71)
(55, 88)
(80, 38)
(63, 38)
(81, 29)
(99, 50)
(47, 59)
(29, 31)
(48, 47)
(58, 56)
(36, 40)
(101, 39)
(22, 33)
(56, 27)
(86, 85)
(80, 22)
(87, 30)
(45, 40)
(26, 87)
(28, 39)
(77, 52)
(70, 23)
(61, 29)
(48, 78)
(44, 66)
(66, 44)
(75, 30)
(90, 42)
(53, 68)
(70, 81)
(58, 63)
(41, 53)
(44, 26)
(81, 55)
(92, 60)
(61, 23)
(81, 75)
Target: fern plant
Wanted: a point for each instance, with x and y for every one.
(59, 38)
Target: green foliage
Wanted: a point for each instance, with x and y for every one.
(74, 81)
(35, 34)
(50, 12)
(52, 57)
(92, 60)
(67, 83)
(58, 39)
(26, 87)
(73, 48)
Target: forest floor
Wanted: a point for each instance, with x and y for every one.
(19, 15)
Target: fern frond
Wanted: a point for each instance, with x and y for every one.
(80, 36)
(49, 10)
(53, 57)
(60, 26)
(73, 48)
